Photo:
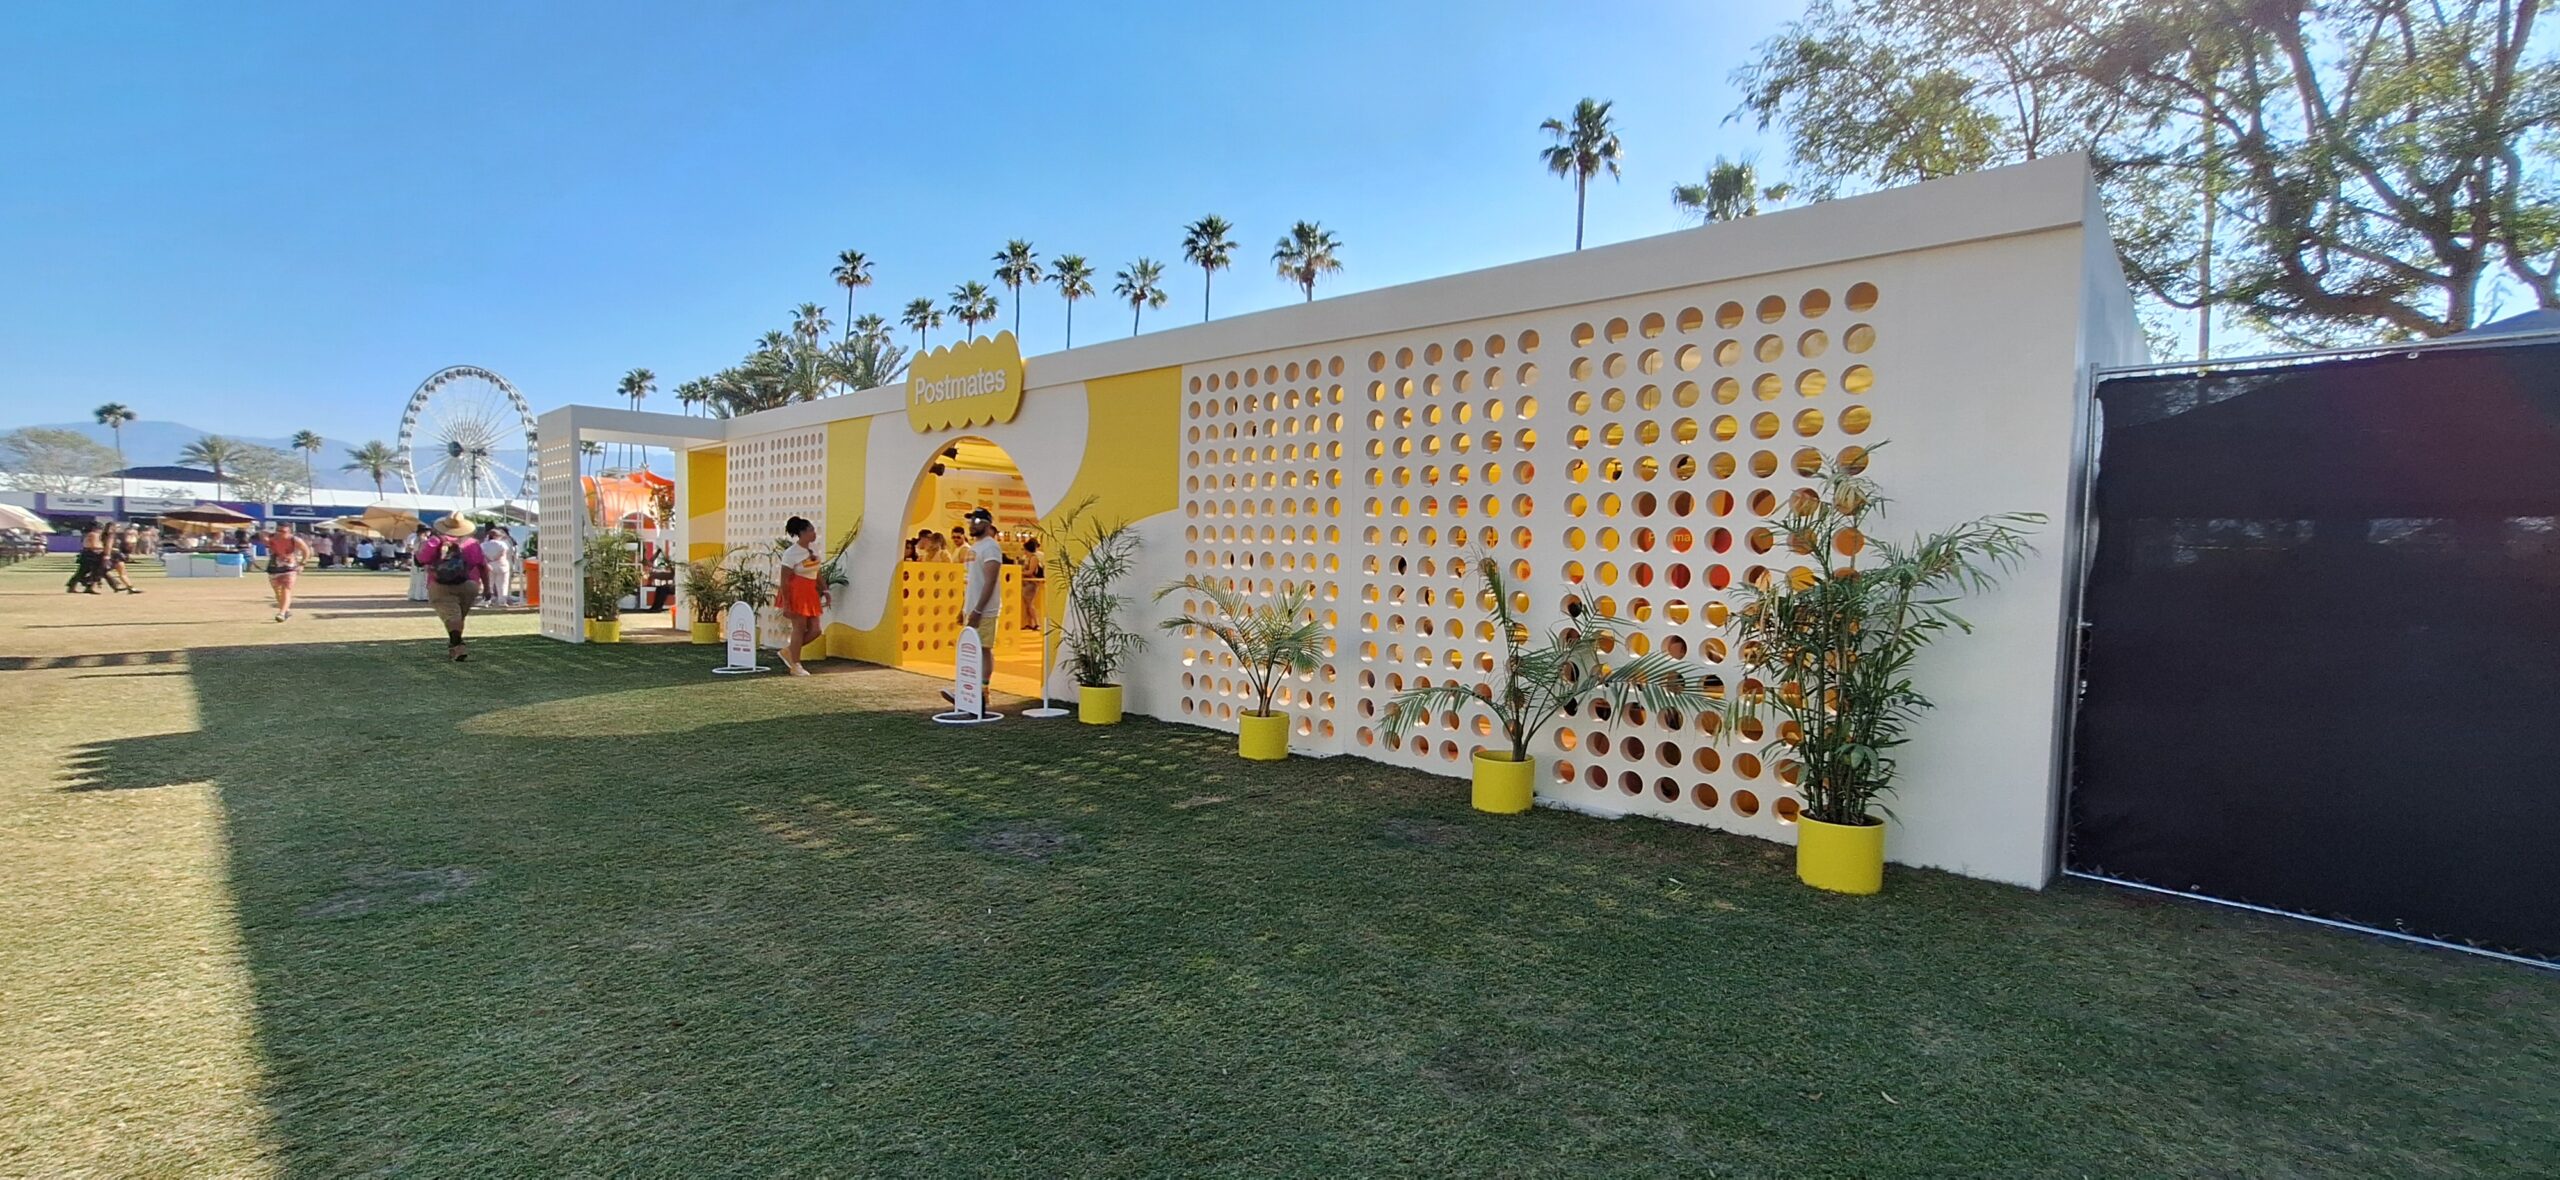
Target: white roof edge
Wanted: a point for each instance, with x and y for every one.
(2046, 194)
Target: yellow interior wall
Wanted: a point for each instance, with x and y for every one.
(706, 491)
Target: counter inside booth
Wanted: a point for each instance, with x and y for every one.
(928, 605)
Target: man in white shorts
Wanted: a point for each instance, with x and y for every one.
(982, 598)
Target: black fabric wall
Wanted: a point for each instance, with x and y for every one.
(2322, 665)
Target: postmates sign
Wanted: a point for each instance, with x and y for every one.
(972, 384)
(968, 683)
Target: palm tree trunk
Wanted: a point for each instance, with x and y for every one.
(1071, 323)
(1133, 319)
(1017, 313)
(1577, 209)
(1205, 276)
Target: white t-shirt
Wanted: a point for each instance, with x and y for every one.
(796, 555)
(986, 561)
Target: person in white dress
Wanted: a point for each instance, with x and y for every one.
(501, 551)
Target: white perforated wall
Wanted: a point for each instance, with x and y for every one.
(1635, 452)
(563, 535)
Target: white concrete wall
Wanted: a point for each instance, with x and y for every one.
(1991, 292)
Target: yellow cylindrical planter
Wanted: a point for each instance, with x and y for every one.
(705, 634)
(1505, 785)
(1264, 737)
(1838, 857)
(604, 630)
(587, 627)
(1098, 704)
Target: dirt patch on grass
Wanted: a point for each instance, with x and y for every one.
(1032, 842)
(1476, 1071)
(1425, 833)
(371, 891)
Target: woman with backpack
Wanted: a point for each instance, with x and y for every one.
(457, 575)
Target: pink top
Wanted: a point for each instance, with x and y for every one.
(472, 558)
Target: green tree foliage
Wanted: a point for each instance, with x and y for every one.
(64, 462)
(1074, 277)
(1308, 252)
(375, 459)
(216, 454)
(2386, 168)
(802, 365)
(972, 304)
(1142, 285)
(1732, 190)
(265, 475)
(920, 317)
(1586, 144)
(1205, 245)
(1016, 265)
(853, 273)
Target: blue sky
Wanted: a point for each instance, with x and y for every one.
(263, 218)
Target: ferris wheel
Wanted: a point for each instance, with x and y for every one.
(467, 433)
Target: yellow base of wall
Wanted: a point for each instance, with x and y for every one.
(1098, 705)
(1263, 739)
(1504, 786)
(1840, 858)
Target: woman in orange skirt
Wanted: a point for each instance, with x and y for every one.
(803, 599)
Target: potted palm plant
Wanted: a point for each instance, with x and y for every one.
(1090, 561)
(711, 596)
(1838, 644)
(831, 574)
(1275, 639)
(612, 575)
(1533, 686)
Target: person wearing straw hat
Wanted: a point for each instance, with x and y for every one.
(457, 575)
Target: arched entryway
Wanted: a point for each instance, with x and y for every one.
(967, 474)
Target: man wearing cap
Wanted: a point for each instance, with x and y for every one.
(981, 601)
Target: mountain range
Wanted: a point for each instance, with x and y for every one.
(150, 442)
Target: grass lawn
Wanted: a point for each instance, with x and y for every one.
(304, 899)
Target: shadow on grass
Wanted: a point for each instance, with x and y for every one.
(591, 909)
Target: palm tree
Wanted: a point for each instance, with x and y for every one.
(1306, 254)
(853, 272)
(1074, 277)
(809, 324)
(309, 443)
(1732, 191)
(113, 416)
(214, 453)
(1205, 245)
(921, 316)
(376, 459)
(693, 393)
(869, 327)
(595, 451)
(1143, 286)
(972, 304)
(637, 385)
(1017, 265)
(1584, 145)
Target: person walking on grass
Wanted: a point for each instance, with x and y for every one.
(804, 596)
(982, 600)
(89, 566)
(457, 575)
(499, 548)
(286, 553)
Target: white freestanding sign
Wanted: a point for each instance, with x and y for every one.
(968, 683)
(739, 626)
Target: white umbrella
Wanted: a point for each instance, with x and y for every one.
(14, 517)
